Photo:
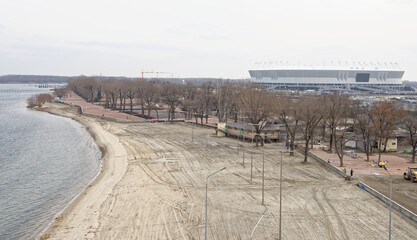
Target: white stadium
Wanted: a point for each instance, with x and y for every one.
(359, 76)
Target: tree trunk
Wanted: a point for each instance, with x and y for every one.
(172, 113)
(385, 145)
(121, 102)
(286, 140)
(306, 152)
(341, 151)
(323, 131)
(379, 149)
(142, 104)
(292, 144)
(331, 142)
(366, 149)
(312, 142)
(413, 158)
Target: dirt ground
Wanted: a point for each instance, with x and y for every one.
(403, 192)
(160, 194)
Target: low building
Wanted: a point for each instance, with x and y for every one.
(391, 145)
(247, 131)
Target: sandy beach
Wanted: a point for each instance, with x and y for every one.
(152, 186)
(84, 209)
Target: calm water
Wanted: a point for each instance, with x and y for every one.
(45, 161)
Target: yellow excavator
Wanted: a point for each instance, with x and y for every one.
(411, 174)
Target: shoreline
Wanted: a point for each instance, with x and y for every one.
(70, 112)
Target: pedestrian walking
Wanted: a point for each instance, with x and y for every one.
(351, 172)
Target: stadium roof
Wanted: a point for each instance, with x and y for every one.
(333, 65)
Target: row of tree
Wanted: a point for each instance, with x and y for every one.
(335, 117)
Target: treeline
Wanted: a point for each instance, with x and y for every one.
(39, 99)
(334, 118)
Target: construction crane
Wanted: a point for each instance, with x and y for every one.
(155, 72)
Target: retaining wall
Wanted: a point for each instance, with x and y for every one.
(386, 200)
(323, 162)
(365, 187)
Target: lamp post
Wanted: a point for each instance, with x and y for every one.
(390, 202)
(243, 147)
(280, 197)
(260, 219)
(192, 132)
(251, 156)
(263, 169)
(205, 229)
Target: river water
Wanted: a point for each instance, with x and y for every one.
(45, 161)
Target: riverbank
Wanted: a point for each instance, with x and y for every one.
(83, 209)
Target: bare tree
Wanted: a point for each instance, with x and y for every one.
(140, 87)
(86, 87)
(110, 90)
(385, 116)
(61, 92)
(225, 92)
(150, 95)
(287, 108)
(364, 127)
(190, 92)
(257, 105)
(410, 124)
(207, 97)
(334, 110)
(130, 94)
(122, 96)
(311, 112)
(199, 106)
(171, 94)
(342, 124)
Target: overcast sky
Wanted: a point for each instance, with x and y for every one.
(201, 38)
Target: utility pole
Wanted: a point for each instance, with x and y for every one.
(205, 229)
(390, 203)
(263, 169)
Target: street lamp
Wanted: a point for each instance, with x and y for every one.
(251, 156)
(390, 202)
(205, 229)
(280, 196)
(263, 169)
(260, 219)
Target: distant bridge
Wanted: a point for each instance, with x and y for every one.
(23, 91)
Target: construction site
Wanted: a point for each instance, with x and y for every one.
(159, 191)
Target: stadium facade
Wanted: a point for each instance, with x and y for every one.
(359, 76)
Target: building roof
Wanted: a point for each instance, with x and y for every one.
(332, 65)
(250, 127)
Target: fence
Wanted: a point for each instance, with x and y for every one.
(395, 205)
(386, 200)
